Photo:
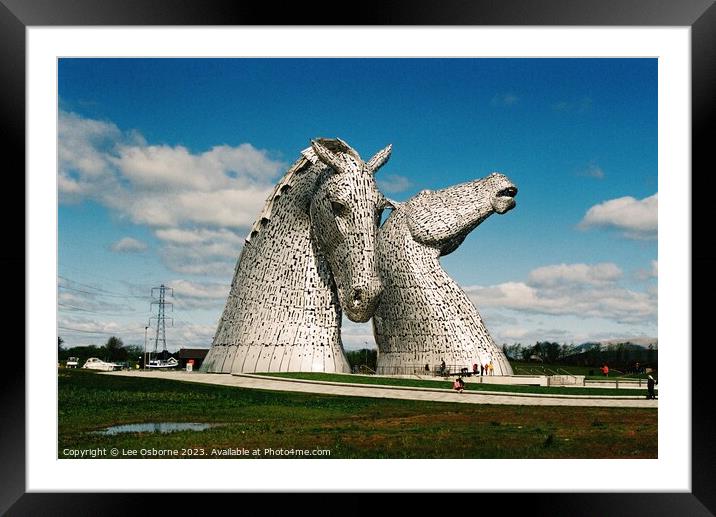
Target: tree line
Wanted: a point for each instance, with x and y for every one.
(587, 354)
(114, 350)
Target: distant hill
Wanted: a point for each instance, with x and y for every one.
(643, 342)
(634, 343)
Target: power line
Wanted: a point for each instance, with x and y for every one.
(94, 274)
(99, 289)
(95, 332)
(83, 331)
(74, 308)
(95, 293)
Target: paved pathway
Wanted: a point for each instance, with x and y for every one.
(392, 392)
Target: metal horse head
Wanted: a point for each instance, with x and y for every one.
(443, 218)
(345, 213)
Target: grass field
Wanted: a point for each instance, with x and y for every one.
(348, 427)
(447, 384)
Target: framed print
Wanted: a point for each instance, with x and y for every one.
(55, 57)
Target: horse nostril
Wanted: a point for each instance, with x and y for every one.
(508, 192)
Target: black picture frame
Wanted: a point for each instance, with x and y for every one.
(700, 15)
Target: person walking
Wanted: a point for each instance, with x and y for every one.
(650, 383)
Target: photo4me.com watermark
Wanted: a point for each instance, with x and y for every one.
(193, 452)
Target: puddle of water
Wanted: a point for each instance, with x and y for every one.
(155, 427)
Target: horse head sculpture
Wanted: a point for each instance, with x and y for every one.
(345, 213)
(308, 256)
(423, 316)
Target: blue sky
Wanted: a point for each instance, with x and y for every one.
(164, 163)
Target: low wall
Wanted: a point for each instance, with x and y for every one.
(566, 380)
(635, 384)
(531, 380)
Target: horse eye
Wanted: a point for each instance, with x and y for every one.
(339, 209)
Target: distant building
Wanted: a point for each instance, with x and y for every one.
(197, 354)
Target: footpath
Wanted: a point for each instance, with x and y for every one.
(263, 382)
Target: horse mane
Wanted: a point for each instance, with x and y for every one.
(307, 160)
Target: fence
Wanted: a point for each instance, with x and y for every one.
(435, 370)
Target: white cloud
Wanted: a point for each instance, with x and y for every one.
(648, 273)
(571, 289)
(88, 331)
(84, 147)
(356, 335)
(84, 303)
(200, 251)
(574, 274)
(193, 200)
(198, 236)
(82, 331)
(162, 185)
(592, 171)
(196, 295)
(638, 218)
(128, 245)
(393, 183)
(76, 298)
(190, 335)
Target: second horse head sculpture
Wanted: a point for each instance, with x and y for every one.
(423, 316)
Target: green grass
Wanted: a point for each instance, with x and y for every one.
(530, 368)
(350, 427)
(447, 384)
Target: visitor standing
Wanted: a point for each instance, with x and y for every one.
(650, 383)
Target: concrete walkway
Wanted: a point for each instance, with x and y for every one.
(393, 392)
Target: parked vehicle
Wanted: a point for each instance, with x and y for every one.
(94, 363)
(163, 365)
(72, 362)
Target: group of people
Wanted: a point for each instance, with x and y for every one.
(485, 369)
(482, 369)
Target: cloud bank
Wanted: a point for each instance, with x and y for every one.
(636, 218)
(581, 290)
(210, 197)
(128, 245)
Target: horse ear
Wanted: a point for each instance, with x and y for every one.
(326, 156)
(380, 159)
(389, 203)
(349, 149)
